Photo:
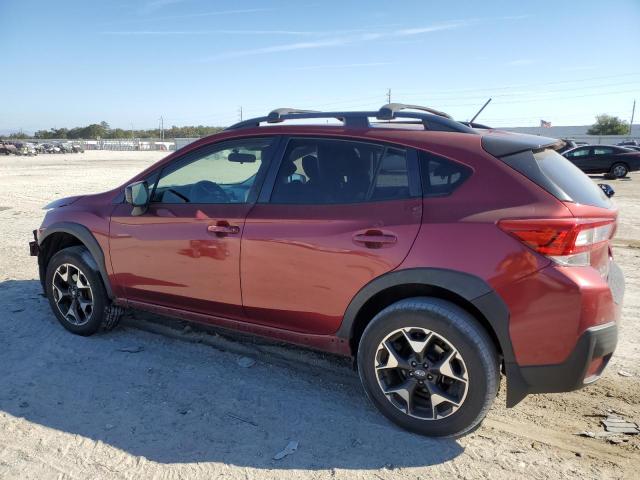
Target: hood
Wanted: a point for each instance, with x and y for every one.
(62, 202)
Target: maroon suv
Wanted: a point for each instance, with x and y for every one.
(435, 254)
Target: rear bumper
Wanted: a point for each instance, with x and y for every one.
(585, 364)
(589, 355)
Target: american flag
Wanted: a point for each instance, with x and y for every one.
(545, 124)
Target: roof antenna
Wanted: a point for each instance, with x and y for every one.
(480, 111)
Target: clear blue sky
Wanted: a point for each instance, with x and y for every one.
(70, 63)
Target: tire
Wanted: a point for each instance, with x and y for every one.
(618, 170)
(455, 334)
(81, 321)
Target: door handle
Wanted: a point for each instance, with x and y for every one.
(223, 228)
(375, 239)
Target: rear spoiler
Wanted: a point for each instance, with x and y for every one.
(505, 143)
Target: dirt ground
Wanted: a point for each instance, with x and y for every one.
(154, 399)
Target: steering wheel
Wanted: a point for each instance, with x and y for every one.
(206, 190)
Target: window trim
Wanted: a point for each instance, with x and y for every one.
(413, 172)
(209, 148)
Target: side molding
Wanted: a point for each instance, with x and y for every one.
(83, 234)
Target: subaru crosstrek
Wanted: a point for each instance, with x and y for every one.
(437, 255)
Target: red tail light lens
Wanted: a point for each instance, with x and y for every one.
(567, 241)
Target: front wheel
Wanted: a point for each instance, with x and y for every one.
(429, 367)
(75, 291)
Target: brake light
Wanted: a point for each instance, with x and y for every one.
(568, 241)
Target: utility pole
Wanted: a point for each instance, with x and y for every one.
(161, 128)
(633, 112)
(240, 112)
(388, 95)
(131, 130)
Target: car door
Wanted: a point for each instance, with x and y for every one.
(602, 158)
(184, 252)
(339, 214)
(580, 157)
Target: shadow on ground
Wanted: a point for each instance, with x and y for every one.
(177, 402)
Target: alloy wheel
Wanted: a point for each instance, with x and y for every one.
(72, 294)
(619, 171)
(421, 373)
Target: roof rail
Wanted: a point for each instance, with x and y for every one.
(390, 110)
(276, 116)
(430, 118)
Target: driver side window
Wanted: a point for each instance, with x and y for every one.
(224, 173)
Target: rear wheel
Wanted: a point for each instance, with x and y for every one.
(618, 170)
(429, 367)
(75, 291)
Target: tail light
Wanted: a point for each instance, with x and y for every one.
(567, 241)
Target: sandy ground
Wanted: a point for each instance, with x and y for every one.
(153, 400)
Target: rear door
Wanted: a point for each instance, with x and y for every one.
(340, 213)
(602, 158)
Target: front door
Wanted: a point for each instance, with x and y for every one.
(341, 213)
(184, 252)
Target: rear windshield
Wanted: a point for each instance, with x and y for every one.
(558, 176)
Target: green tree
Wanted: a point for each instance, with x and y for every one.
(608, 125)
(18, 136)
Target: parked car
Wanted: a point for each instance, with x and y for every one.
(77, 148)
(66, 147)
(21, 148)
(434, 254)
(627, 143)
(633, 147)
(613, 161)
(568, 145)
(7, 148)
(32, 148)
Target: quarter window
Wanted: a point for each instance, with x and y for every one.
(225, 173)
(327, 171)
(440, 176)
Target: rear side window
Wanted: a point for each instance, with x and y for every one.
(558, 176)
(440, 177)
(602, 151)
(328, 171)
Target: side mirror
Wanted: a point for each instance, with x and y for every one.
(137, 195)
(607, 189)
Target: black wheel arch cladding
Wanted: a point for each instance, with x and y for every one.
(94, 257)
(471, 288)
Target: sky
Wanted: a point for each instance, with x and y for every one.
(70, 63)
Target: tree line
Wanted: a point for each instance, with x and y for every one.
(604, 125)
(102, 130)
